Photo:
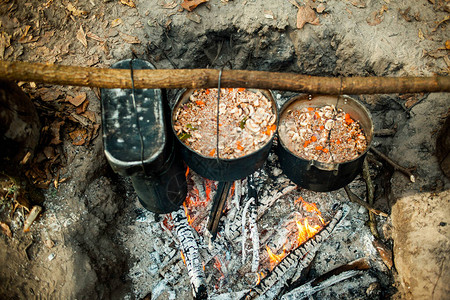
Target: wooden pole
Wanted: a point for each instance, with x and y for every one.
(208, 78)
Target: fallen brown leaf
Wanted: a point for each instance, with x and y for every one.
(81, 36)
(78, 136)
(405, 14)
(5, 229)
(410, 102)
(90, 115)
(77, 100)
(358, 3)
(129, 38)
(55, 128)
(116, 22)
(95, 37)
(447, 44)
(190, 5)
(169, 5)
(376, 17)
(320, 8)
(49, 243)
(441, 22)
(305, 15)
(76, 12)
(5, 42)
(82, 108)
(129, 3)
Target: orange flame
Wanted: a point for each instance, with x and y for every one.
(311, 207)
(306, 231)
(274, 258)
(187, 172)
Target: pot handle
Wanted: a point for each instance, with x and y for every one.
(323, 166)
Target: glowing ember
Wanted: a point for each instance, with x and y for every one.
(182, 257)
(273, 258)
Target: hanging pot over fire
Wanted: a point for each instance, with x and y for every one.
(323, 140)
(247, 122)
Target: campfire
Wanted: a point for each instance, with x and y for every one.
(264, 246)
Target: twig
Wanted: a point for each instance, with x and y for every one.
(354, 198)
(370, 193)
(385, 132)
(396, 166)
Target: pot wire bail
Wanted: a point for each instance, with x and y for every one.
(334, 119)
(136, 114)
(217, 119)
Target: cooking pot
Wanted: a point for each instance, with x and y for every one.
(222, 169)
(138, 143)
(320, 176)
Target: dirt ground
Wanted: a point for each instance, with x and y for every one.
(74, 250)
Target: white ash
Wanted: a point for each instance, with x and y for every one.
(277, 196)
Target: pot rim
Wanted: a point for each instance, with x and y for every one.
(323, 165)
(267, 93)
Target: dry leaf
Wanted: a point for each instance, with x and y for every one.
(377, 17)
(305, 15)
(5, 229)
(77, 100)
(95, 37)
(76, 12)
(405, 14)
(441, 22)
(81, 36)
(320, 8)
(129, 38)
(82, 108)
(78, 136)
(49, 243)
(410, 102)
(190, 5)
(116, 22)
(130, 3)
(358, 3)
(447, 44)
(268, 14)
(90, 115)
(55, 128)
(5, 42)
(447, 60)
(170, 5)
(420, 34)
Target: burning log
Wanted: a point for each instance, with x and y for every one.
(189, 249)
(295, 261)
(328, 279)
(218, 205)
(264, 204)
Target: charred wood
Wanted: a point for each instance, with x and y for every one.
(328, 279)
(189, 249)
(295, 261)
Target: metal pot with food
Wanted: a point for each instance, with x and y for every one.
(228, 136)
(323, 140)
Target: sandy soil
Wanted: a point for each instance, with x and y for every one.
(84, 214)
